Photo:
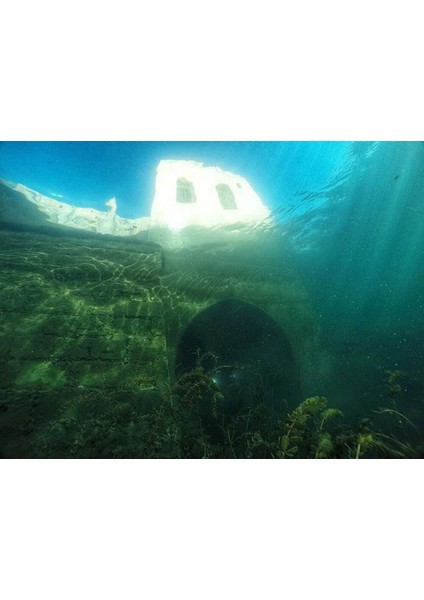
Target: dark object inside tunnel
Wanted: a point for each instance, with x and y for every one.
(246, 354)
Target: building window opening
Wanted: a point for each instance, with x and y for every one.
(185, 191)
(226, 197)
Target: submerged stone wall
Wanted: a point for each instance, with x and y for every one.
(90, 328)
(255, 269)
(81, 325)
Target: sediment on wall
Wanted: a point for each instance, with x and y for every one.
(82, 334)
(90, 327)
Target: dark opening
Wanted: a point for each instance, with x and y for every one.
(245, 352)
(185, 191)
(226, 196)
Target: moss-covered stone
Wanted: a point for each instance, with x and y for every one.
(90, 328)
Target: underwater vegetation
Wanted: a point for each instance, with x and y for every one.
(311, 430)
(194, 419)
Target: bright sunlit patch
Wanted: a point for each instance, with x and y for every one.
(176, 222)
(189, 193)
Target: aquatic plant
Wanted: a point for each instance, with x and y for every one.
(325, 445)
(394, 389)
(192, 421)
(197, 403)
(364, 441)
(385, 446)
(295, 426)
(370, 440)
(196, 386)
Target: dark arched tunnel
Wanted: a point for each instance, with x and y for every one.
(246, 353)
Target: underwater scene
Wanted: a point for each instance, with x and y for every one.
(212, 300)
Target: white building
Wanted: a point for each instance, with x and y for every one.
(188, 193)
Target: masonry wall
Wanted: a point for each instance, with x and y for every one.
(255, 269)
(82, 334)
(90, 327)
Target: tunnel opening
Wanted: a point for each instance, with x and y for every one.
(245, 353)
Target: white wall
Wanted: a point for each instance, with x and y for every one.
(207, 210)
(87, 219)
(166, 214)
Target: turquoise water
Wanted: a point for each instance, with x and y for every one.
(361, 256)
(350, 220)
(88, 173)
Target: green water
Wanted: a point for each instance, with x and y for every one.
(123, 348)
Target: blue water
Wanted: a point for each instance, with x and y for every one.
(89, 173)
(360, 253)
(353, 210)
(352, 216)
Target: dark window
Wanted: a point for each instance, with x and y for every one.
(185, 191)
(226, 196)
